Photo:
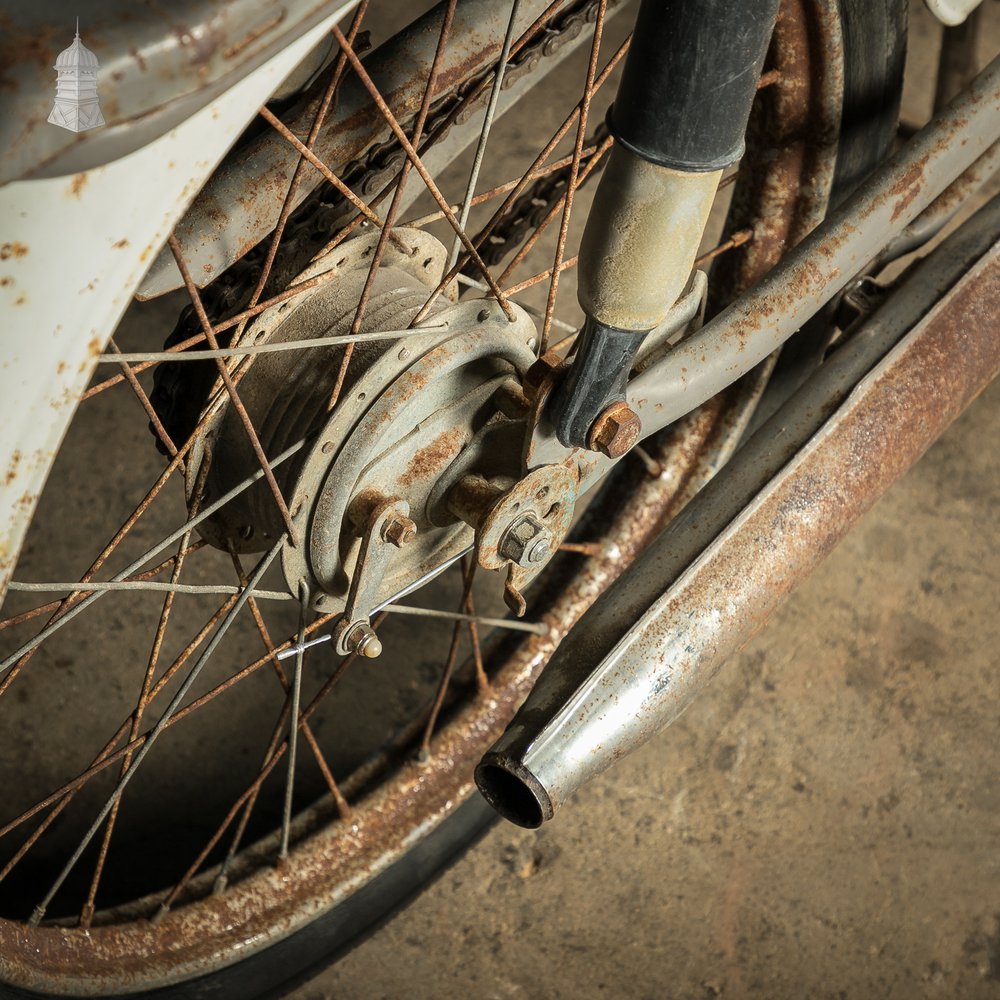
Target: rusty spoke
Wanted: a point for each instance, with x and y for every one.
(515, 192)
(592, 163)
(468, 576)
(469, 608)
(154, 417)
(394, 205)
(38, 913)
(574, 172)
(87, 911)
(421, 169)
(279, 672)
(484, 196)
(229, 383)
(484, 132)
(738, 239)
(249, 795)
(305, 153)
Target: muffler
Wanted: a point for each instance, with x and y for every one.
(701, 590)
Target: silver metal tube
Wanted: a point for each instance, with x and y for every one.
(651, 643)
(814, 271)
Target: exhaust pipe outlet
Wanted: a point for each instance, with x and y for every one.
(698, 592)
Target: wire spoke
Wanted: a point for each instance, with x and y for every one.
(87, 911)
(304, 153)
(422, 170)
(294, 696)
(15, 658)
(39, 912)
(484, 134)
(250, 794)
(154, 417)
(42, 609)
(592, 163)
(468, 576)
(574, 171)
(469, 608)
(227, 380)
(397, 198)
(143, 585)
(307, 154)
(536, 164)
(279, 672)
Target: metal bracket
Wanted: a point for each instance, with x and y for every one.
(386, 528)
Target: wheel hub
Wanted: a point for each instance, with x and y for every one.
(418, 414)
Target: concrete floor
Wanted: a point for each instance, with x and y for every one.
(824, 822)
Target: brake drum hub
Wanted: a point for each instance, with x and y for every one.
(414, 414)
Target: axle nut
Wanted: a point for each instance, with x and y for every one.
(399, 530)
(527, 542)
(615, 431)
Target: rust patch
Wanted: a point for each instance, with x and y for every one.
(428, 462)
(20, 300)
(13, 249)
(15, 461)
(6, 280)
(120, 244)
(906, 189)
(77, 184)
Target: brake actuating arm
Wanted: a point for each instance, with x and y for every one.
(678, 120)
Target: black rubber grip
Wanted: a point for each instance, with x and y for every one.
(690, 77)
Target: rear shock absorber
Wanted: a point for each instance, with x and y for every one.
(678, 120)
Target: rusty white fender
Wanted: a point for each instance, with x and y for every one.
(72, 252)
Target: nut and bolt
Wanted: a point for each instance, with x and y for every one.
(527, 542)
(399, 530)
(615, 431)
(361, 639)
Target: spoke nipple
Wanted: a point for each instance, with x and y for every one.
(220, 885)
(423, 756)
(160, 913)
(37, 915)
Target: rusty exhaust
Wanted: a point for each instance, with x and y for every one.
(701, 590)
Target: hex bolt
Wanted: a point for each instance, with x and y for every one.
(361, 639)
(527, 542)
(615, 431)
(399, 530)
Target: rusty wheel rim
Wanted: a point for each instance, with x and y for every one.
(264, 903)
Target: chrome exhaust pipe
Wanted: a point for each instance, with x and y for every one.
(701, 590)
